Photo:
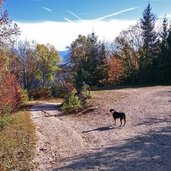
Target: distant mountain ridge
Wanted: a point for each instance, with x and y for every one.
(64, 55)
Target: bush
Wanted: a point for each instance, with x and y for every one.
(25, 95)
(62, 91)
(72, 104)
(59, 91)
(85, 90)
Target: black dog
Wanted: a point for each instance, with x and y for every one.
(120, 115)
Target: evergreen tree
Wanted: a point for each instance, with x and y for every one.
(102, 64)
(163, 56)
(79, 60)
(164, 33)
(168, 64)
(88, 60)
(97, 60)
(149, 45)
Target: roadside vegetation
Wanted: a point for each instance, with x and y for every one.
(17, 142)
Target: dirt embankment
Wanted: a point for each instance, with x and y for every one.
(91, 141)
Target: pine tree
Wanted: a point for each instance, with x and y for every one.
(149, 45)
(88, 58)
(163, 56)
(97, 60)
(168, 66)
(101, 70)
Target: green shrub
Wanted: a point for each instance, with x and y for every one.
(87, 94)
(25, 95)
(72, 104)
(4, 121)
(85, 90)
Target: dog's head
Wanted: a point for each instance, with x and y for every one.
(112, 110)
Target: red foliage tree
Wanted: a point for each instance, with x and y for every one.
(115, 70)
(10, 93)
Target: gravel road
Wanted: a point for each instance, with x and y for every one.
(90, 141)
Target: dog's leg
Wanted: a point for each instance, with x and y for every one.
(114, 121)
(121, 122)
(124, 123)
(124, 119)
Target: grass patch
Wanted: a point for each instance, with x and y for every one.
(17, 142)
(30, 103)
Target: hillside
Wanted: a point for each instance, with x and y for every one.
(91, 141)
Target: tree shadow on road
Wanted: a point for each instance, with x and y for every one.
(45, 106)
(147, 152)
(151, 121)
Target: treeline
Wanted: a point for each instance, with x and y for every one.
(139, 55)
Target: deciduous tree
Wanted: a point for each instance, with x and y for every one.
(47, 64)
(116, 70)
(129, 47)
(24, 64)
(8, 29)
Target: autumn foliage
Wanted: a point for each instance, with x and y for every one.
(115, 70)
(10, 93)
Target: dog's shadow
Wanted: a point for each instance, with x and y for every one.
(104, 128)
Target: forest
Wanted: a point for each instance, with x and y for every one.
(140, 55)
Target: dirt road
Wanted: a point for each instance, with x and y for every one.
(90, 141)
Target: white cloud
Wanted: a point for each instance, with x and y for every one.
(61, 34)
(168, 16)
(47, 9)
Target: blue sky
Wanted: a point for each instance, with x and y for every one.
(58, 22)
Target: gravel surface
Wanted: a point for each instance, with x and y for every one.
(90, 140)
